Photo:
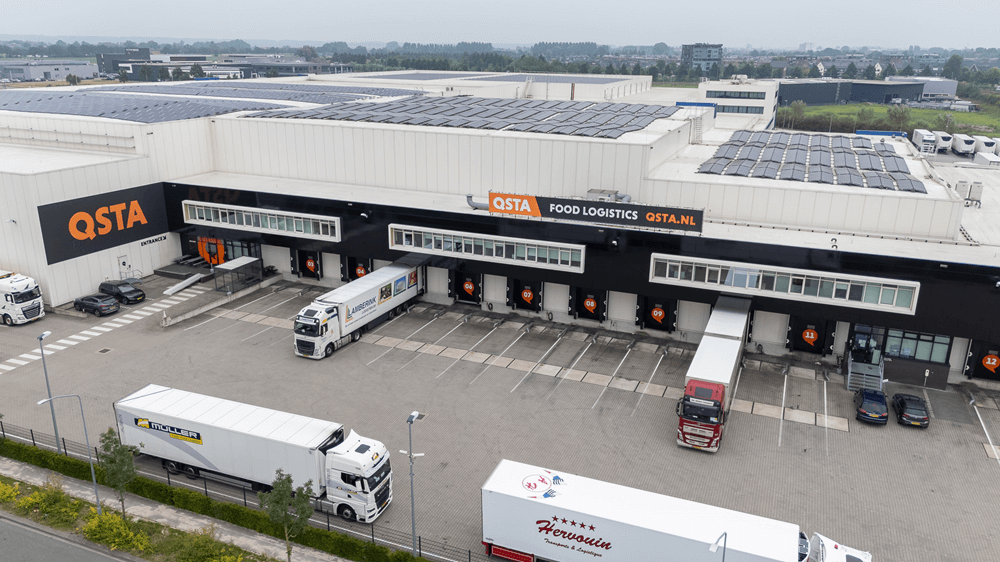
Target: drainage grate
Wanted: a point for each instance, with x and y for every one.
(105, 350)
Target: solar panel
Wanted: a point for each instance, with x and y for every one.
(772, 154)
(549, 78)
(906, 182)
(799, 139)
(879, 180)
(819, 155)
(883, 148)
(796, 172)
(760, 137)
(795, 155)
(895, 164)
(861, 142)
(819, 140)
(714, 166)
(740, 168)
(869, 161)
(840, 142)
(820, 174)
(766, 170)
(843, 159)
(749, 152)
(728, 150)
(741, 136)
(849, 176)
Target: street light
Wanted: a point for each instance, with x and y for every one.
(52, 408)
(414, 416)
(715, 546)
(86, 437)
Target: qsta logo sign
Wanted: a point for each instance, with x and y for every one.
(524, 205)
(81, 224)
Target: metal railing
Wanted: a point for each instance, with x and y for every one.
(234, 493)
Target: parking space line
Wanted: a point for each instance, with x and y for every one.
(643, 391)
(781, 419)
(537, 363)
(17, 362)
(495, 326)
(81, 338)
(275, 306)
(282, 339)
(101, 329)
(255, 300)
(133, 317)
(223, 329)
(203, 323)
(6, 367)
(55, 347)
(603, 390)
(435, 343)
(379, 357)
(498, 355)
(407, 338)
(257, 334)
(826, 421)
(68, 342)
(91, 334)
(988, 438)
(570, 368)
(30, 357)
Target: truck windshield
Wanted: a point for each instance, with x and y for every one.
(375, 480)
(27, 295)
(306, 328)
(700, 414)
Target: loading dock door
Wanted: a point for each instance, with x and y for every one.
(591, 304)
(657, 313)
(984, 360)
(808, 334)
(621, 307)
(467, 286)
(352, 268)
(556, 298)
(495, 289)
(693, 316)
(525, 295)
(310, 264)
(769, 330)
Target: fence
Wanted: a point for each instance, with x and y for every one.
(396, 540)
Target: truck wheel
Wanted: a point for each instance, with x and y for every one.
(172, 467)
(392, 314)
(328, 351)
(399, 309)
(191, 472)
(347, 513)
(7, 320)
(356, 335)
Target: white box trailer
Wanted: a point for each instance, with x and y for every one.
(943, 141)
(924, 139)
(987, 159)
(343, 314)
(200, 435)
(985, 144)
(533, 514)
(962, 144)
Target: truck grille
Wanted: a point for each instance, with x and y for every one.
(698, 431)
(32, 311)
(305, 347)
(382, 496)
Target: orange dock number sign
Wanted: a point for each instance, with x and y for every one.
(469, 287)
(527, 295)
(991, 362)
(810, 336)
(658, 314)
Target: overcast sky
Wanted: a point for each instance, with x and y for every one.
(735, 23)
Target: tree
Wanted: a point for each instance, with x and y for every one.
(869, 72)
(286, 508)
(118, 463)
(926, 71)
(729, 71)
(178, 74)
(907, 71)
(636, 69)
(272, 73)
(713, 72)
(899, 116)
(308, 53)
(890, 70)
(610, 69)
(145, 73)
(814, 71)
(992, 76)
(660, 49)
(944, 122)
(851, 72)
(122, 75)
(833, 71)
(865, 116)
(953, 68)
(796, 72)
(72, 79)
(196, 71)
(764, 71)
(798, 110)
(163, 75)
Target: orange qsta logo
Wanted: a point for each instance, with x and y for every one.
(84, 226)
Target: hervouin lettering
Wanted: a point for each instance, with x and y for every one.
(548, 527)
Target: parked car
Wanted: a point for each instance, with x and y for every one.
(910, 410)
(99, 304)
(123, 291)
(871, 406)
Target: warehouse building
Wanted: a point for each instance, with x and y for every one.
(21, 70)
(529, 194)
(828, 91)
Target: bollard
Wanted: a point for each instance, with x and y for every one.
(244, 495)
(420, 548)
(66, 452)
(373, 533)
(3, 431)
(168, 478)
(327, 520)
(205, 482)
(32, 432)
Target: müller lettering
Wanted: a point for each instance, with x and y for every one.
(545, 526)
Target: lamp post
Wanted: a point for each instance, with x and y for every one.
(48, 389)
(86, 437)
(715, 546)
(414, 416)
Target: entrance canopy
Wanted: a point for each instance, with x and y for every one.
(237, 274)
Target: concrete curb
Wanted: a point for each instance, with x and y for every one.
(170, 321)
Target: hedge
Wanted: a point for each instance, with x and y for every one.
(337, 544)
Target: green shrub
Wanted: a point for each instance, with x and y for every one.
(402, 556)
(68, 466)
(52, 503)
(8, 492)
(153, 490)
(112, 531)
(204, 545)
(376, 553)
(192, 501)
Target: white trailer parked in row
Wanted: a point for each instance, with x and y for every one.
(943, 141)
(199, 435)
(20, 299)
(924, 140)
(963, 144)
(343, 314)
(985, 144)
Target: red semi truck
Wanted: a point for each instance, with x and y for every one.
(711, 379)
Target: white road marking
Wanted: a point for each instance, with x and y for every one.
(499, 355)
(112, 324)
(781, 420)
(6, 367)
(133, 317)
(101, 329)
(379, 357)
(17, 362)
(55, 347)
(203, 323)
(149, 310)
(826, 421)
(224, 329)
(407, 338)
(537, 363)
(119, 322)
(257, 334)
(68, 342)
(620, 363)
(156, 307)
(570, 368)
(988, 438)
(30, 357)
(91, 334)
(81, 338)
(142, 314)
(376, 330)
(282, 339)
(170, 301)
(178, 299)
(435, 343)
(642, 393)
(277, 305)
(470, 349)
(253, 301)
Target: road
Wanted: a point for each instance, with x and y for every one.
(24, 543)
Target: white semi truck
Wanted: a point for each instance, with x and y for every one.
(343, 314)
(20, 299)
(533, 514)
(200, 435)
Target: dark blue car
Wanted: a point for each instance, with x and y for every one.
(871, 406)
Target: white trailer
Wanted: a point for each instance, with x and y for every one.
(533, 514)
(963, 144)
(924, 140)
(343, 314)
(200, 435)
(20, 299)
(987, 159)
(943, 141)
(996, 144)
(985, 144)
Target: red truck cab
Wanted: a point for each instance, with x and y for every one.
(701, 413)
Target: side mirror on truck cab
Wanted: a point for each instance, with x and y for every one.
(678, 408)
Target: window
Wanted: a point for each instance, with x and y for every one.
(920, 347)
(244, 218)
(527, 253)
(852, 291)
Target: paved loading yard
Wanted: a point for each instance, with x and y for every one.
(902, 493)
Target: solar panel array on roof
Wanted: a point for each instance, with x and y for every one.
(835, 159)
(424, 75)
(602, 120)
(553, 78)
(310, 93)
(139, 108)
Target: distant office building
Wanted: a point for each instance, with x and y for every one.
(933, 60)
(935, 88)
(179, 58)
(815, 91)
(742, 96)
(702, 55)
(43, 69)
(108, 62)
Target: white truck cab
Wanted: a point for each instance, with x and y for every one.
(20, 299)
(823, 549)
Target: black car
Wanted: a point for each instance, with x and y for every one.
(910, 410)
(871, 406)
(123, 291)
(98, 304)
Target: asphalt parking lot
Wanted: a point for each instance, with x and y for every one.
(595, 404)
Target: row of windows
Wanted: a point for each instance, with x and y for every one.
(567, 257)
(735, 95)
(922, 347)
(864, 293)
(246, 218)
(739, 109)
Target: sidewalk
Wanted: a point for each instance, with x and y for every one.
(166, 515)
